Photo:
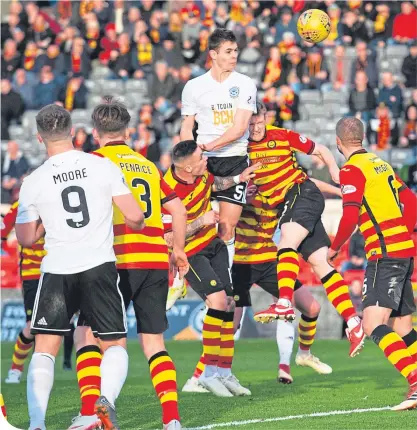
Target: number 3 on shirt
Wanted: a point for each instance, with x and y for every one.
(145, 197)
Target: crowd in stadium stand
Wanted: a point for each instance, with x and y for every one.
(71, 52)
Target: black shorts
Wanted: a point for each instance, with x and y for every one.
(94, 292)
(30, 287)
(229, 166)
(209, 270)
(148, 289)
(387, 284)
(304, 204)
(262, 274)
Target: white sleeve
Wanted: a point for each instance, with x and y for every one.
(117, 179)
(247, 96)
(188, 105)
(27, 211)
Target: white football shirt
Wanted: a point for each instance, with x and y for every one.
(214, 105)
(72, 194)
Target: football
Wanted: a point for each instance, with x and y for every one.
(313, 25)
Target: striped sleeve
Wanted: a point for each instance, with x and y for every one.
(9, 221)
(167, 193)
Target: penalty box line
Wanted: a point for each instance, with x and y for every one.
(289, 417)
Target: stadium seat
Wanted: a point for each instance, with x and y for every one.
(93, 100)
(80, 115)
(333, 96)
(310, 96)
(318, 112)
(100, 72)
(94, 87)
(112, 87)
(399, 51)
(402, 157)
(306, 127)
(28, 118)
(249, 56)
(17, 132)
(136, 86)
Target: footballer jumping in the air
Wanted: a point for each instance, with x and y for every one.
(222, 102)
(300, 206)
(385, 210)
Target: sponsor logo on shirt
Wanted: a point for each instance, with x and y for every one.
(303, 139)
(234, 92)
(348, 189)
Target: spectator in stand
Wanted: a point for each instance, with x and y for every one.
(391, 95)
(295, 68)
(382, 23)
(146, 142)
(285, 24)
(170, 52)
(102, 10)
(162, 84)
(108, 43)
(336, 27)
(183, 77)
(409, 67)
(382, 132)
(83, 141)
(142, 57)
(191, 28)
(405, 28)
(13, 168)
(315, 72)
(362, 101)
(30, 60)
(357, 255)
(339, 71)
(12, 107)
(9, 29)
(271, 104)
(222, 18)
(366, 62)
(319, 170)
(273, 74)
(10, 59)
(74, 94)
(46, 91)
(146, 8)
(175, 26)
(409, 137)
(41, 33)
(53, 58)
(354, 28)
(287, 102)
(78, 60)
(92, 35)
(66, 38)
(24, 84)
(133, 16)
(157, 30)
(121, 60)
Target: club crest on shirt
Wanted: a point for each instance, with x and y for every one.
(272, 144)
(234, 92)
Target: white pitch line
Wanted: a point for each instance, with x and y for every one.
(289, 417)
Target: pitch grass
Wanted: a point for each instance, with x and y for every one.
(366, 381)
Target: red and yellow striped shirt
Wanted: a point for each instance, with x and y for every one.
(30, 258)
(144, 249)
(254, 233)
(371, 184)
(196, 199)
(279, 171)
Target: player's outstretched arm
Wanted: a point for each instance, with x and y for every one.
(223, 183)
(326, 156)
(324, 187)
(29, 233)
(130, 209)
(187, 127)
(235, 132)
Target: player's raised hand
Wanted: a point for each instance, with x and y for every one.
(178, 263)
(248, 173)
(211, 217)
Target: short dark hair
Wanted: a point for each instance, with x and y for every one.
(110, 117)
(219, 36)
(53, 123)
(183, 150)
(260, 109)
(350, 129)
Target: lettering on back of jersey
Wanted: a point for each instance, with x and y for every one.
(134, 167)
(381, 168)
(70, 176)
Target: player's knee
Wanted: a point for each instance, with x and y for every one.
(152, 344)
(217, 301)
(106, 344)
(226, 231)
(314, 309)
(83, 336)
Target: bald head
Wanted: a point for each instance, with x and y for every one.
(350, 131)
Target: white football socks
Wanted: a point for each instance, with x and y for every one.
(40, 380)
(353, 322)
(285, 341)
(113, 369)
